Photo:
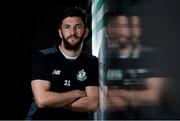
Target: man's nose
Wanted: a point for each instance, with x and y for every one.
(72, 31)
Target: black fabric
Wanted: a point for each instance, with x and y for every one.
(60, 114)
(51, 65)
(130, 71)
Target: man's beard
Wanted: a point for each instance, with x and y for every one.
(70, 46)
(135, 43)
(121, 44)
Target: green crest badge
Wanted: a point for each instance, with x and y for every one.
(81, 75)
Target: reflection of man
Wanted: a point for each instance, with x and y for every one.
(135, 30)
(117, 33)
(131, 81)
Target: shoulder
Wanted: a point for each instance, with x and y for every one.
(89, 57)
(147, 49)
(43, 54)
(48, 51)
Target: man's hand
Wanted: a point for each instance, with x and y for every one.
(114, 101)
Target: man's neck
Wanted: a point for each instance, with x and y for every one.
(125, 52)
(70, 53)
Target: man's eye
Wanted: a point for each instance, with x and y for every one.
(66, 27)
(79, 27)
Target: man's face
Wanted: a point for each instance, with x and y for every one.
(72, 32)
(118, 31)
(135, 29)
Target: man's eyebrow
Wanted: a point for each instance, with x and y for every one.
(80, 24)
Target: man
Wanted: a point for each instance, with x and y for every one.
(131, 81)
(117, 33)
(65, 79)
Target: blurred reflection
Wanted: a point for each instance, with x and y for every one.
(133, 84)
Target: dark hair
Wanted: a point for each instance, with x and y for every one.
(74, 11)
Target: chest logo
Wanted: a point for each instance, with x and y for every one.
(81, 75)
(56, 72)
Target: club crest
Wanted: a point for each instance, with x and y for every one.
(81, 75)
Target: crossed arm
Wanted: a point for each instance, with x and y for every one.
(151, 95)
(75, 100)
(120, 98)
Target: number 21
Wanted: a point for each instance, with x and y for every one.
(67, 82)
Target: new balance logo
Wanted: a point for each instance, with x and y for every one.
(56, 72)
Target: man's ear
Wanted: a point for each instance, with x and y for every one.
(60, 34)
(86, 32)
